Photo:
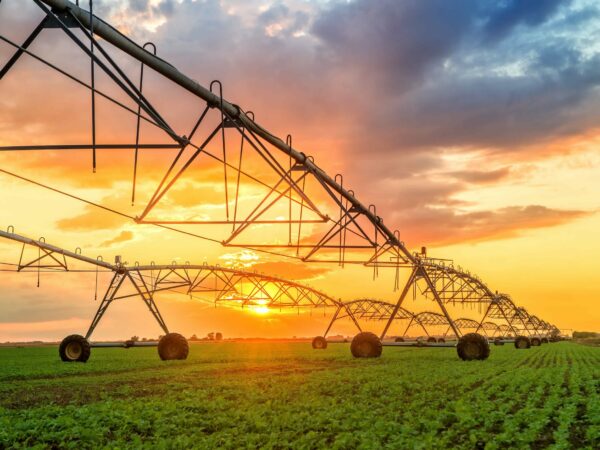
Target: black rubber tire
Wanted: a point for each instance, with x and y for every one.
(522, 342)
(441, 341)
(74, 348)
(473, 346)
(173, 346)
(536, 341)
(431, 340)
(498, 341)
(319, 343)
(366, 345)
(399, 339)
(545, 341)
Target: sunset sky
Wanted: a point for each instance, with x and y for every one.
(472, 125)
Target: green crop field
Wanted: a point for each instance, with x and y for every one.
(286, 395)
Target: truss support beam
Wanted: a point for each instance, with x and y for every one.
(147, 296)
(125, 44)
(441, 304)
(109, 296)
(333, 319)
(34, 34)
(58, 250)
(411, 279)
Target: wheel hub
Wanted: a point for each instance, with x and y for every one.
(73, 350)
(471, 350)
(364, 348)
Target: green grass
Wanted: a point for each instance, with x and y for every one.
(280, 395)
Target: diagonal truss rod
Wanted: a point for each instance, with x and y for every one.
(442, 284)
(114, 37)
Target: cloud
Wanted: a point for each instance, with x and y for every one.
(408, 39)
(481, 176)
(511, 13)
(240, 260)
(291, 270)
(129, 15)
(444, 226)
(93, 218)
(123, 236)
(382, 104)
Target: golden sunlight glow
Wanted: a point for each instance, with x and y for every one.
(262, 310)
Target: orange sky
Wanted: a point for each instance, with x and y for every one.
(504, 183)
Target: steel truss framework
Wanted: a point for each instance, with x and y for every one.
(223, 285)
(518, 320)
(314, 217)
(378, 310)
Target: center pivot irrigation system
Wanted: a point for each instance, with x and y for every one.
(236, 287)
(275, 199)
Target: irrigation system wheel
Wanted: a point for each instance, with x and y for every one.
(431, 339)
(498, 341)
(399, 339)
(522, 342)
(473, 346)
(536, 341)
(319, 343)
(441, 341)
(74, 348)
(366, 345)
(545, 340)
(173, 346)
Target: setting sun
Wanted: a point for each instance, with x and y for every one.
(262, 310)
(299, 223)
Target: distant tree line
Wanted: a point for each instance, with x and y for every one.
(212, 336)
(585, 334)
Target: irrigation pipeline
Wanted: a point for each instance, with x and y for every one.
(66, 14)
(113, 36)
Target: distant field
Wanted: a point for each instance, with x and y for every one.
(282, 395)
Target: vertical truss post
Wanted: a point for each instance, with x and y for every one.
(508, 322)
(93, 84)
(333, 319)
(11, 62)
(147, 297)
(440, 302)
(408, 326)
(487, 311)
(109, 296)
(411, 280)
(354, 320)
(137, 128)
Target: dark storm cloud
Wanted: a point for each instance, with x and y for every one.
(400, 39)
(506, 15)
(393, 83)
(443, 85)
(556, 99)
